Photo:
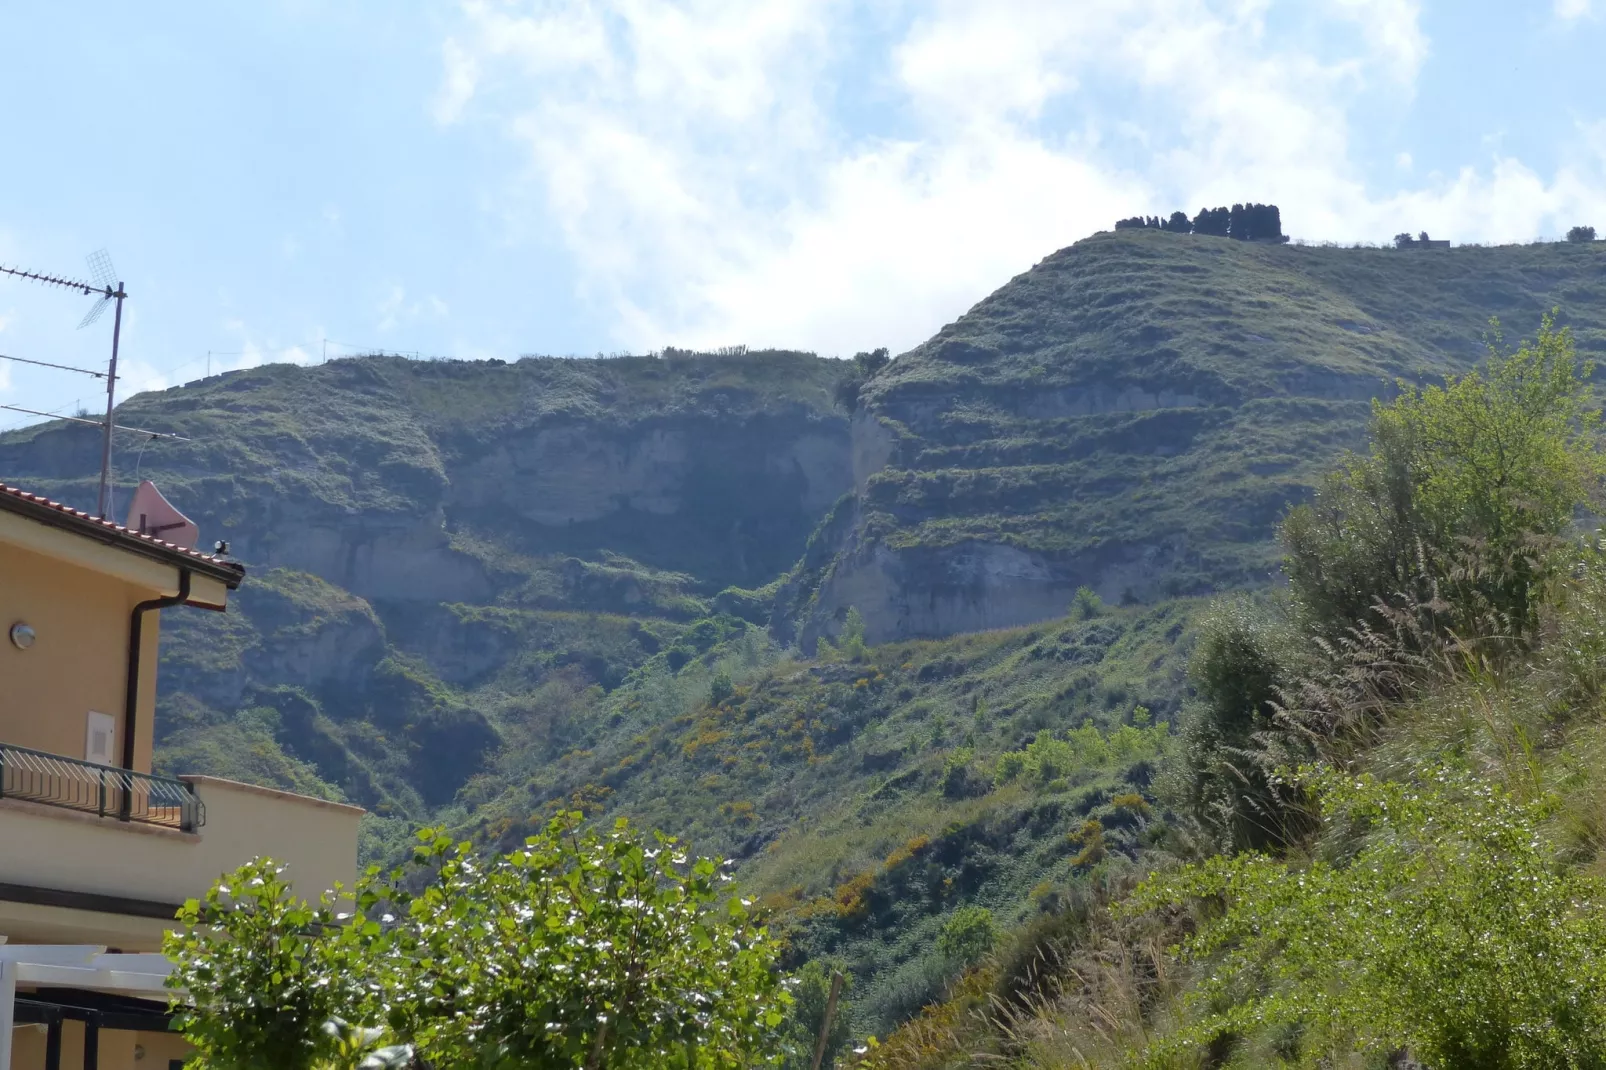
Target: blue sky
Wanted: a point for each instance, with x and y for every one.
(580, 176)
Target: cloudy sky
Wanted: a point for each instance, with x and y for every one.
(493, 178)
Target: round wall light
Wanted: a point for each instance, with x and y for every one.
(22, 635)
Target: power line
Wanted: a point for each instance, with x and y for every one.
(97, 423)
(58, 367)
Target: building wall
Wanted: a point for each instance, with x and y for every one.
(78, 662)
(67, 851)
(118, 1050)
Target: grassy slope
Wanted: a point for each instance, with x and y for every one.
(1255, 364)
(374, 433)
(829, 780)
(309, 687)
(572, 693)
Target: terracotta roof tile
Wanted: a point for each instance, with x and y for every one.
(52, 512)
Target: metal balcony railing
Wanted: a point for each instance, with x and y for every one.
(103, 790)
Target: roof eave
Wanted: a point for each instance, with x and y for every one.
(229, 573)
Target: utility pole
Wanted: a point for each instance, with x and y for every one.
(825, 1023)
(111, 402)
(109, 289)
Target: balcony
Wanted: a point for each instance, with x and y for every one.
(105, 791)
(73, 871)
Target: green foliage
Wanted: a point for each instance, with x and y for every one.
(1240, 665)
(1087, 604)
(1049, 757)
(850, 644)
(582, 950)
(957, 778)
(1426, 920)
(1450, 526)
(1453, 933)
(811, 992)
(577, 949)
(1010, 765)
(356, 1047)
(262, 979)
(1581, 234)
(1461, 497)
(865, 365)
(967, 935)
(721, 688)
(1162, 398)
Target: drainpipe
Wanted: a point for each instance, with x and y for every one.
(131, 698)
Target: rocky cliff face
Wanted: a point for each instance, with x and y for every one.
(1134, 414)
(452, 559)
(415, 531)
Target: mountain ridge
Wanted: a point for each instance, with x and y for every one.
(1114, 417)
(482, 591)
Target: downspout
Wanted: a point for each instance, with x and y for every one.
(131, 698)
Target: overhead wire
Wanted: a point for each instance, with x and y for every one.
(58, 367)
(97, 423)
(170, 372)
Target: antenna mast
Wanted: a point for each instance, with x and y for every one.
(100, 266)
(110, 289)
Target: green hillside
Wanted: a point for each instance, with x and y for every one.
(479, 592)
(1136, 411)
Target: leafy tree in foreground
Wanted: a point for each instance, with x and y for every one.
(262, 980)
(1463, 496)
(1453, 933)
(586, 951)
(1447, 529)
(577, 950)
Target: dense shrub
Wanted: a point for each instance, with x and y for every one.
(968, 935)
(261, 988)
(1087, 604)
(1452, 934)
(577, 950)
(1460, 500)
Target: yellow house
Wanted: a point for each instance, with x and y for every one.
(97, 852)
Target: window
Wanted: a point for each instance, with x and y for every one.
(98, 741)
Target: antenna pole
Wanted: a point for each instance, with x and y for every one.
(111, 401)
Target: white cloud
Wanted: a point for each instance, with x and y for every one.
(457, 83)
(1393, 28)
(395, 309)
(253, 349)
(1567, 10)
(804, 172)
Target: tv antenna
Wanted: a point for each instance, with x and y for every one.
(110, 288)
